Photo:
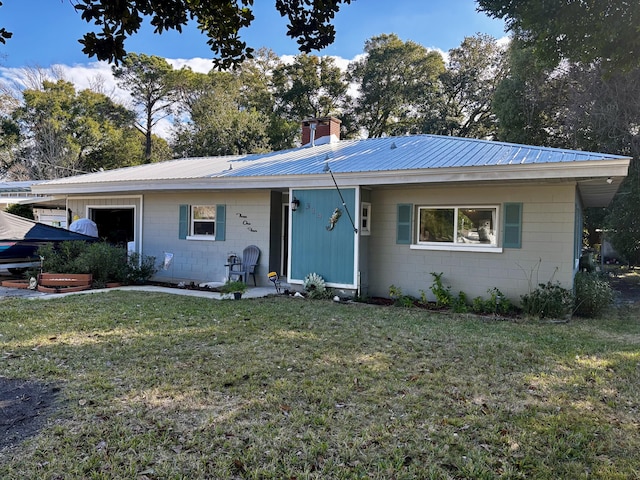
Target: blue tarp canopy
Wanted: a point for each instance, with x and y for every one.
(20, 238)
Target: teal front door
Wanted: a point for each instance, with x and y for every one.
(322, 236)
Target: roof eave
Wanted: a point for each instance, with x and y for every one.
(577, 171)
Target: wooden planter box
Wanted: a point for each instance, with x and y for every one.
(16, 283)
(64, 282)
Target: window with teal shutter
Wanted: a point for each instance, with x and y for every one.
(403, 227)
(221, 217)
(512, 225)
(183, 223)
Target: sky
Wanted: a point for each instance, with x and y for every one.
(51, 35)
(46, 33)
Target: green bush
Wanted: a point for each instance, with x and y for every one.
(496, 304)
(593, 294)
(107, 263)
(24, 211)
(63, 258)
(140, 268)
(549, 300)
(460, 303)
(443, 295)
(233, 286)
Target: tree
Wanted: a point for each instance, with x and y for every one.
(526, 100)
(395, 79)
(220, 123)
(310, 86)
(475, 69)
(9, 139)
(220, 20)
(152, 83)
(259, 93)
(583, 31)
(622, 219)
(64, 132)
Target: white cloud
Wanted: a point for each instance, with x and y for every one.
(199, 65)
(99, 76)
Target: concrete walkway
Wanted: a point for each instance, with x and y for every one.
(252, 292)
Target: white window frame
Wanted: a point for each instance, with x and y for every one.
(192, 222)
(456, 245)
(365, 220)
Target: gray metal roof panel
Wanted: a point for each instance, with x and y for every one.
(369, 155)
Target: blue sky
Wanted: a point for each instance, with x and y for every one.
(46, 31)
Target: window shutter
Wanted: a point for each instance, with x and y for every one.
(512, 225)
(403, 227)
(183, 223)
(221, 218)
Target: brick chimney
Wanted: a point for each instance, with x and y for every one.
(318, 131)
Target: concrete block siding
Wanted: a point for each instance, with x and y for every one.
(194, 260)
(546, 253)
(247, 223)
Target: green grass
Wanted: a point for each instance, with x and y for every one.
(168, 387)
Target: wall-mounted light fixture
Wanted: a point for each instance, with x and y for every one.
(295, 203)
(609, 180)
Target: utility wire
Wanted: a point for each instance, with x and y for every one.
(355, 230)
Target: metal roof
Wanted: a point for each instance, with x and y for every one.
(20, 186)
(390, 154)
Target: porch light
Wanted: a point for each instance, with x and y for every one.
(295, 203)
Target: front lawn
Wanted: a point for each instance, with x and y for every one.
(156, 386)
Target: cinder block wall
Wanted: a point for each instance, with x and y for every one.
(547, 251)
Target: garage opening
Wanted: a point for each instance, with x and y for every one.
(116, 225)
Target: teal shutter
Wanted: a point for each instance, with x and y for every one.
(403, 227)
(183, 223)
(221, 219)
(512, 225)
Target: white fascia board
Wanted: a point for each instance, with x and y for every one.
(503, 173)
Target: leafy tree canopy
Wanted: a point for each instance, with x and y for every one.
(585, 31)
(220, 20)
(395, 79)
(3, 33)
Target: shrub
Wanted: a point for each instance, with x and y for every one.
(593, 294)
(399, 299)
(24, 211)
(548, 300)
(63, 258)
(105, 262)
(496, 304)
(233, 286)
(443, 295)
(140, 268)
(460, 304)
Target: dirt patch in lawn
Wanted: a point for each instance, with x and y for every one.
(24, 408)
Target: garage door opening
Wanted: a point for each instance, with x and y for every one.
(116, 225)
